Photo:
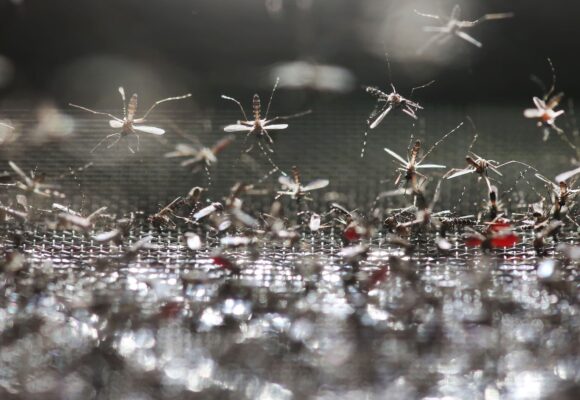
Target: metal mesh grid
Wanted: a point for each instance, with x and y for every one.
(79, 319)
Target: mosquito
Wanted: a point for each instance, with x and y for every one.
(562, 194)
(129, 124)
(293, 186)
(453, 26)
(68, 218)
(33, 184)
(389, 101)
(545, 111)
(198, 157)
(259, 126)
(409, 168)
(481, 166)
(164, 216)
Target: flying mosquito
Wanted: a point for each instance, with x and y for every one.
(129, 124)
(259, 126)
(199, 156)
(33, 184)
(453, 26)
(545, 111)
(293, 186)
(389, 101)
(409, 168)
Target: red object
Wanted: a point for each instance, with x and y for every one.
(473, 241)
(170, 309)
(223, 262)
(506, 240)
(378, 276)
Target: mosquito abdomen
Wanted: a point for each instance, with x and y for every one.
(256, 106)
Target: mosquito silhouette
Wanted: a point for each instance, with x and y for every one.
(545, 111)
(453, 26)
(129, 124)
(259, 126)
(293, 186)
(408, 168)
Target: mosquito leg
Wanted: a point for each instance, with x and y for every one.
(104, 139)
(409, 112)
(364, 146)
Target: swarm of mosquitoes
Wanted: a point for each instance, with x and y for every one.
(236, 226)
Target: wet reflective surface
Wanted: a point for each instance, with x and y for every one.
(77, 321)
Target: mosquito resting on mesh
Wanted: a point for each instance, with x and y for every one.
(481, 166)
(389, 101)
(293, 186)
(561, 195)
(545, 111)
(34, 184)
(408, 168)
(129, 124)
(452, 26)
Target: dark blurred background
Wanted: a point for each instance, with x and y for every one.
(324, 51)
(63, 50)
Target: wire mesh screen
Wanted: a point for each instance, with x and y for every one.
(280, 319)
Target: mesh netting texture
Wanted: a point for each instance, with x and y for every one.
(310, 315)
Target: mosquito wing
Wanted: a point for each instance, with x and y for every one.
(539, 103)
(533, 113)
(396, 156)
(115, 124)
(149, 129)
(380, 118)
(468, 38)
(564, 176)
(107, 236)
(461, 172)
(317, 184)
(20, 173)
(427, 166)
(238, 128)
(276, 127)
(455, 13)
(286, 181)
(204, 212)
(554, 101)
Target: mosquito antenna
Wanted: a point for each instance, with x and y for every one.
(421, 87)
(389, 72)
(439, 141)
(238, 103)
(185, 96)
(553, 87)
(475, 134)
(271, 97)
(122, 92)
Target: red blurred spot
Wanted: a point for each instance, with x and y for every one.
(351, 234)
(170, 310)
(378, 276)
(473, 241)
(507, 240)
(223, 262)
